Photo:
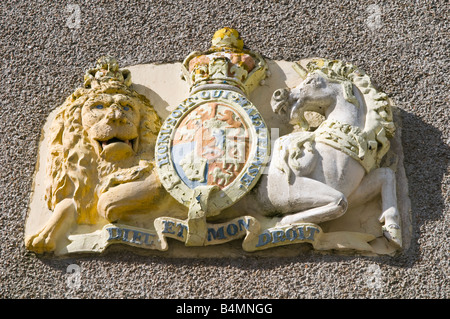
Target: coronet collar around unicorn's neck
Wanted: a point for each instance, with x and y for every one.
(349, 139)
(224, 68)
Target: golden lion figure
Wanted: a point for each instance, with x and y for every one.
(101, 158)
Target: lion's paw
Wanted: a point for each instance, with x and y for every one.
(41, 242)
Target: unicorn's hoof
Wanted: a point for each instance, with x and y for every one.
(393, 234)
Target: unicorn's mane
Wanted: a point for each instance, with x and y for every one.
(378, 105)
(379, 123)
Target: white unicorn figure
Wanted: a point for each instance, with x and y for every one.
(315, 175)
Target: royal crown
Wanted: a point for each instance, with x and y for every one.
(225, 65)
(107, 72)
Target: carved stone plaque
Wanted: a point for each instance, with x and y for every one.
(240, 150)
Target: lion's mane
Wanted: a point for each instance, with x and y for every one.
(74, 170)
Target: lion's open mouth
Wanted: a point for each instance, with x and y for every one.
(113, 140)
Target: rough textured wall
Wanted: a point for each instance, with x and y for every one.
(403, 45)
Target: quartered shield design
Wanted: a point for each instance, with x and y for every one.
(213, 138)
(210, 146)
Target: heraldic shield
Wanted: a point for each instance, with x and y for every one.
(211, 151)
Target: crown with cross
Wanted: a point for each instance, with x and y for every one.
(225, 64)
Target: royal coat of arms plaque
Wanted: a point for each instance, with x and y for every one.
(113, 170)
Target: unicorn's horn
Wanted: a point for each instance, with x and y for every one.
(300, 70)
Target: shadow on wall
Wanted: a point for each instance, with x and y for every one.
(426, 162)
(155, 100)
